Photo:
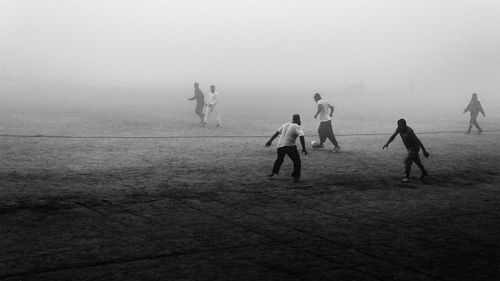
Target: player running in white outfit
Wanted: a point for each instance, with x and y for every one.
(212, 107)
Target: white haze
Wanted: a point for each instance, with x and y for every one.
(374, 54)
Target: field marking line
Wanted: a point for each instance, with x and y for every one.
(212, 136)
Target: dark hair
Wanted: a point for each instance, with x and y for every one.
(401, 122)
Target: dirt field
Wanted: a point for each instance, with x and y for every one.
(203, 209)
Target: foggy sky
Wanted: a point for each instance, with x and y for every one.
(433, 48)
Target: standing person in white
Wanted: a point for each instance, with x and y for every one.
(212, 107)
(325, 130)
(288, 133)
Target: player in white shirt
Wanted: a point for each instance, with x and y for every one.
(288, 133)
(325, 130)
(212, 107)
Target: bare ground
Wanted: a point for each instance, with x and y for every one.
(203, 209)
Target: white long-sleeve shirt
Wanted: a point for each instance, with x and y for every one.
(213, 98)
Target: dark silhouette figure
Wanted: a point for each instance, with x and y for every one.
(286, 146)
(325, 130)
(413, 145)
(474, 108)
(200, 101)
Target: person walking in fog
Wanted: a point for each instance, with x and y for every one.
(325, 130)
(413, 145)
(212, 107)
(200, 102)
(474, 108)
(288, 133)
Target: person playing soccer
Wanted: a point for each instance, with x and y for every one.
(325, 130)
(200, 101)
(212, 106)
(413, 145)
(474, 108)
(288, 133)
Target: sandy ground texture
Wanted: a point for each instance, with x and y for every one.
(203, 209)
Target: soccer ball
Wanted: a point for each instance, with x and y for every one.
(315, 144)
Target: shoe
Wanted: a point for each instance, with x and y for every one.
(405, 179)
(480, 132)
(321, 146)
(218, 125)
(337, 149)
(296, 179)
(271, 175)
(424, 174)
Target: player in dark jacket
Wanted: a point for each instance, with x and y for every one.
(474, 108)
(413, 145)
(200, 101)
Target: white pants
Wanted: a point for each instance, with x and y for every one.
(215, 110)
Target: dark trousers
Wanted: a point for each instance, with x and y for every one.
(473, 121)
(199, 110)
(411, 157)
(293, 153)
(325, 131)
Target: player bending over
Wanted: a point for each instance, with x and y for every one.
(288, 133)
(413, 145)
